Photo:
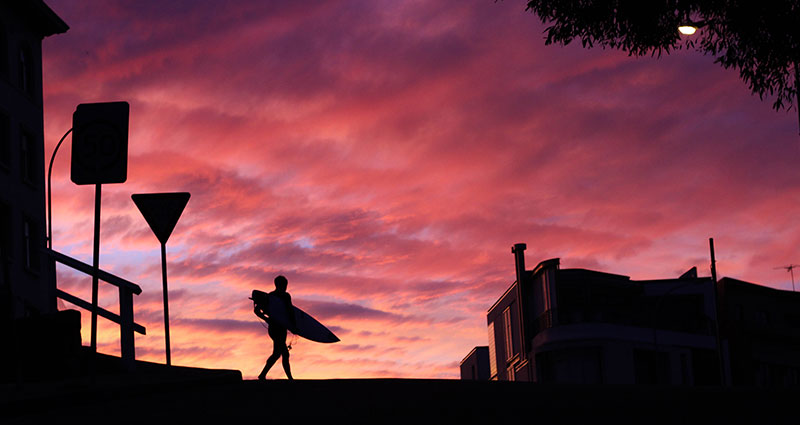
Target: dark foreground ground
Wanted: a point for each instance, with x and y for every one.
(186, 395)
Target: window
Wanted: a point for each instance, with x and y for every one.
(509, 336)
(546, 292)
(685, 371)
(5, 242)
(511, 374)
(492, 352)
(763, 373)
(28, 157)
(580, 365)
(763, 318)
(30, 247)
(738, 313)
(5, 232)
(651, 367)
(3, 51)
(5, 141)
(25, 69)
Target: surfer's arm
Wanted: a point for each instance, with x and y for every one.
(260, 313)
(289, 307)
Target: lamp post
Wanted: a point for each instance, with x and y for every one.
(99, 156)
(718, 340)
(49, 191)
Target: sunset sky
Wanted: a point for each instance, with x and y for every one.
(385, 156)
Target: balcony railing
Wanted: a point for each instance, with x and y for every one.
(697, 324)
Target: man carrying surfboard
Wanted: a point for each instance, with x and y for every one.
(277, 331)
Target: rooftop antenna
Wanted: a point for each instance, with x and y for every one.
(790, 268)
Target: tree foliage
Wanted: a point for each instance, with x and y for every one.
(760, 39)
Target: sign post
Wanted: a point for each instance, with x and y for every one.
(162, 211)
(99, 155)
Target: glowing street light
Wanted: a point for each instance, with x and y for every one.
(687, 29)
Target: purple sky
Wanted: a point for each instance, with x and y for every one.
(386, 155)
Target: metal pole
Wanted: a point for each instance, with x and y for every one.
(95, 263)
(49, 197)
(126, 337)
(166, 301)
(713, 264)
(723, 379)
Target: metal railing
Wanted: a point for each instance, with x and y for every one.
(126, 291)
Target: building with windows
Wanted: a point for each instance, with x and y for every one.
(27, 283)
(475, 366)
(761, 328)
(27, 280)
(580, 326)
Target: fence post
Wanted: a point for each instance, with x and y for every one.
(126, 340)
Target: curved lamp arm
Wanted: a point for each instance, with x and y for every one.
(49, 198)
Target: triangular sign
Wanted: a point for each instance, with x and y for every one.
(161, 211)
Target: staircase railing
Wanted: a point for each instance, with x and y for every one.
(125, 318)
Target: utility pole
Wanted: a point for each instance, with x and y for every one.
(721, 357)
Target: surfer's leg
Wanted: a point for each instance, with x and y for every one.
(270, 361)
(285, 362)
(276, 353)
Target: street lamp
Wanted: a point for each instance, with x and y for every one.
(99, 156)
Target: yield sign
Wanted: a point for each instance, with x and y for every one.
(161, 211)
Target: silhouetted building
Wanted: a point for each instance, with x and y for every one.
(761, 326)
(476, 365)
(28, 284)
(582, 326)
(27, 279)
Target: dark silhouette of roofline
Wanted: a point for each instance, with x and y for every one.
(41, 16)
(474, 349)
(598, 274)
(760, 288)
(528, 275)
(546, 263)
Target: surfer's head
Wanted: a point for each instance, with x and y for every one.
(281, 283)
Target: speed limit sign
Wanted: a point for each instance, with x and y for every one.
(100, 143)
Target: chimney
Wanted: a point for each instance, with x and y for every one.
(522, 295)
(519, 258)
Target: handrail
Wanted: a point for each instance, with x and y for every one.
(125, 318)
(100, 310)
(102, 275)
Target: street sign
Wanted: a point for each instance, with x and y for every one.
(99, 155)
(161, 211)
(100, 143)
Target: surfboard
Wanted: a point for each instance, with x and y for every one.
(307, 326)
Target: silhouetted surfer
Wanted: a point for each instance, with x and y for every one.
(276, 330)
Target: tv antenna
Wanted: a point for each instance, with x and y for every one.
(790, 268)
